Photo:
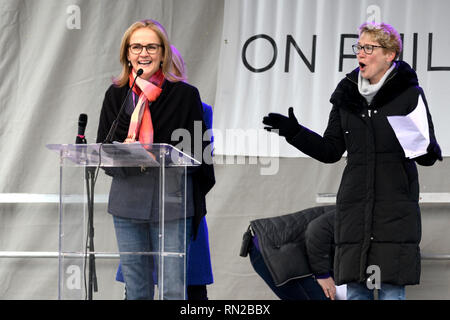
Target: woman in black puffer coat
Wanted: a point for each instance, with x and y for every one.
(378, 215)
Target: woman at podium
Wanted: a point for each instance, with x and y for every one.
(155, 102)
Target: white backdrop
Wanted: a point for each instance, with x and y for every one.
(261, 71)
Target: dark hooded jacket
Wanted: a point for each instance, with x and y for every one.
(377, 213)
(296, 245)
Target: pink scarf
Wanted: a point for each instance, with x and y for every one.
(141, 126)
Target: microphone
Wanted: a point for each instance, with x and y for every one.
(113, 128)
(82, 122)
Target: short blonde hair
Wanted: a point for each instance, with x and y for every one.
(167, 68)
(385, 35)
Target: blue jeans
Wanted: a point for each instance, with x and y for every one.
(359, 291)
(142, 236)
(306, 288)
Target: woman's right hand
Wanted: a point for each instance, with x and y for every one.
(287, 127)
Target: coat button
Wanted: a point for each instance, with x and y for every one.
(371, 238)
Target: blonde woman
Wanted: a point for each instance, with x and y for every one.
(160, 103)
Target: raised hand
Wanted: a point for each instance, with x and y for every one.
(287, 127)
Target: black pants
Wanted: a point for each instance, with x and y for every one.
(197, 293)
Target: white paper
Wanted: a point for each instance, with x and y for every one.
(412, 130)
(341, 292)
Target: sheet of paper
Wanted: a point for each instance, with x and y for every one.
(412, 130)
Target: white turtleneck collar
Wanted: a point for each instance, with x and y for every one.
(367, 90)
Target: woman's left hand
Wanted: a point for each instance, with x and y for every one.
(328, 287)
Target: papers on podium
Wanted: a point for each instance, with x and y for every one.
(412, 130)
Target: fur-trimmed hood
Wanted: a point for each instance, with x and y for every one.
(348, 97)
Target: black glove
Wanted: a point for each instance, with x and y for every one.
(287, 127)
(434, 150)
(433, 153)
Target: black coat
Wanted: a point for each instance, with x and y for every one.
(319, 242)
(296, 245)
(178, 107)
(377, 216)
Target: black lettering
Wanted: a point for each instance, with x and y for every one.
(343, 56)
(414, 58)
(430, 51)
(244, 53)
(290, 41)
(402, 37)
(414, 53)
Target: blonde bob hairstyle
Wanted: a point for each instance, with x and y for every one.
(167, 68)
(385, 35)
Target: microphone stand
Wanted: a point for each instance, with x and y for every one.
(90, 183)
(113, 128)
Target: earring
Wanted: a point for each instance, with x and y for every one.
(129, 64)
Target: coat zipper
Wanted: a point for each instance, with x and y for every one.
(369, 111)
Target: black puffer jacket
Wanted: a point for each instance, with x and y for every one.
(283, 242)
(377, 215)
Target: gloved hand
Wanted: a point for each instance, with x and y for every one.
(434, 150)
(287, 127)
(433, 153)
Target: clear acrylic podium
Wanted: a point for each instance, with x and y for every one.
(80, 196)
